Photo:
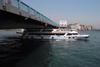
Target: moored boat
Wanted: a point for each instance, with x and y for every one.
(20, 32)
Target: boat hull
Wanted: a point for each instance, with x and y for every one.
(56, 37)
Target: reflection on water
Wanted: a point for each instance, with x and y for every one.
(9, 51)
(52, 53)
(13, 48)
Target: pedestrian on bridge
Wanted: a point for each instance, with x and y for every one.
(9, 1)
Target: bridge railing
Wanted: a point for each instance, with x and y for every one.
(14, 3)
(23, 9)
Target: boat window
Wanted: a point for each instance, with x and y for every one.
(74, 33)
(33, 30)
(69, 34)
(31, 34)
(46, 33)
(46, 30)
(61, 29)
(65, 30)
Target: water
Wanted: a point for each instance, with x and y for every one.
(15, 52)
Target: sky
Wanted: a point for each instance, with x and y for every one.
(86, 12)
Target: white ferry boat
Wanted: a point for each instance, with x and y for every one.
(53, 34)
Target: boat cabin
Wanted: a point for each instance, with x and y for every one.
(71, 33)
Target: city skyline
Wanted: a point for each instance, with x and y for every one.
(86, 12)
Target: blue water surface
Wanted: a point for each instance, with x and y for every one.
(53, 53)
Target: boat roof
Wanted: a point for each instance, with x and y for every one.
(73, 32)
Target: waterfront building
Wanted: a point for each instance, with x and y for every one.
(90, 28)
(75, 26)
(82, 27)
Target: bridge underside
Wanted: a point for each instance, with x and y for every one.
(12, 21)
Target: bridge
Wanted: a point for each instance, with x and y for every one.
(16, 14)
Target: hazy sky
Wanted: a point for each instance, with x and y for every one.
(85, 12)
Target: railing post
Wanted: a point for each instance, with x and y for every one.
(45, 19)
(19, 5)
(42, 18)
(35, 14)
(4, 4)
(39, 16)
(29, 11)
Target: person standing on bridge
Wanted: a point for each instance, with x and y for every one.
(9, 1)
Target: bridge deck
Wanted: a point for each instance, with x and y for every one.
(21, 11)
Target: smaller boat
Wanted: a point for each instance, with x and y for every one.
(20, 32)
(76, 35)
(54, 34)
